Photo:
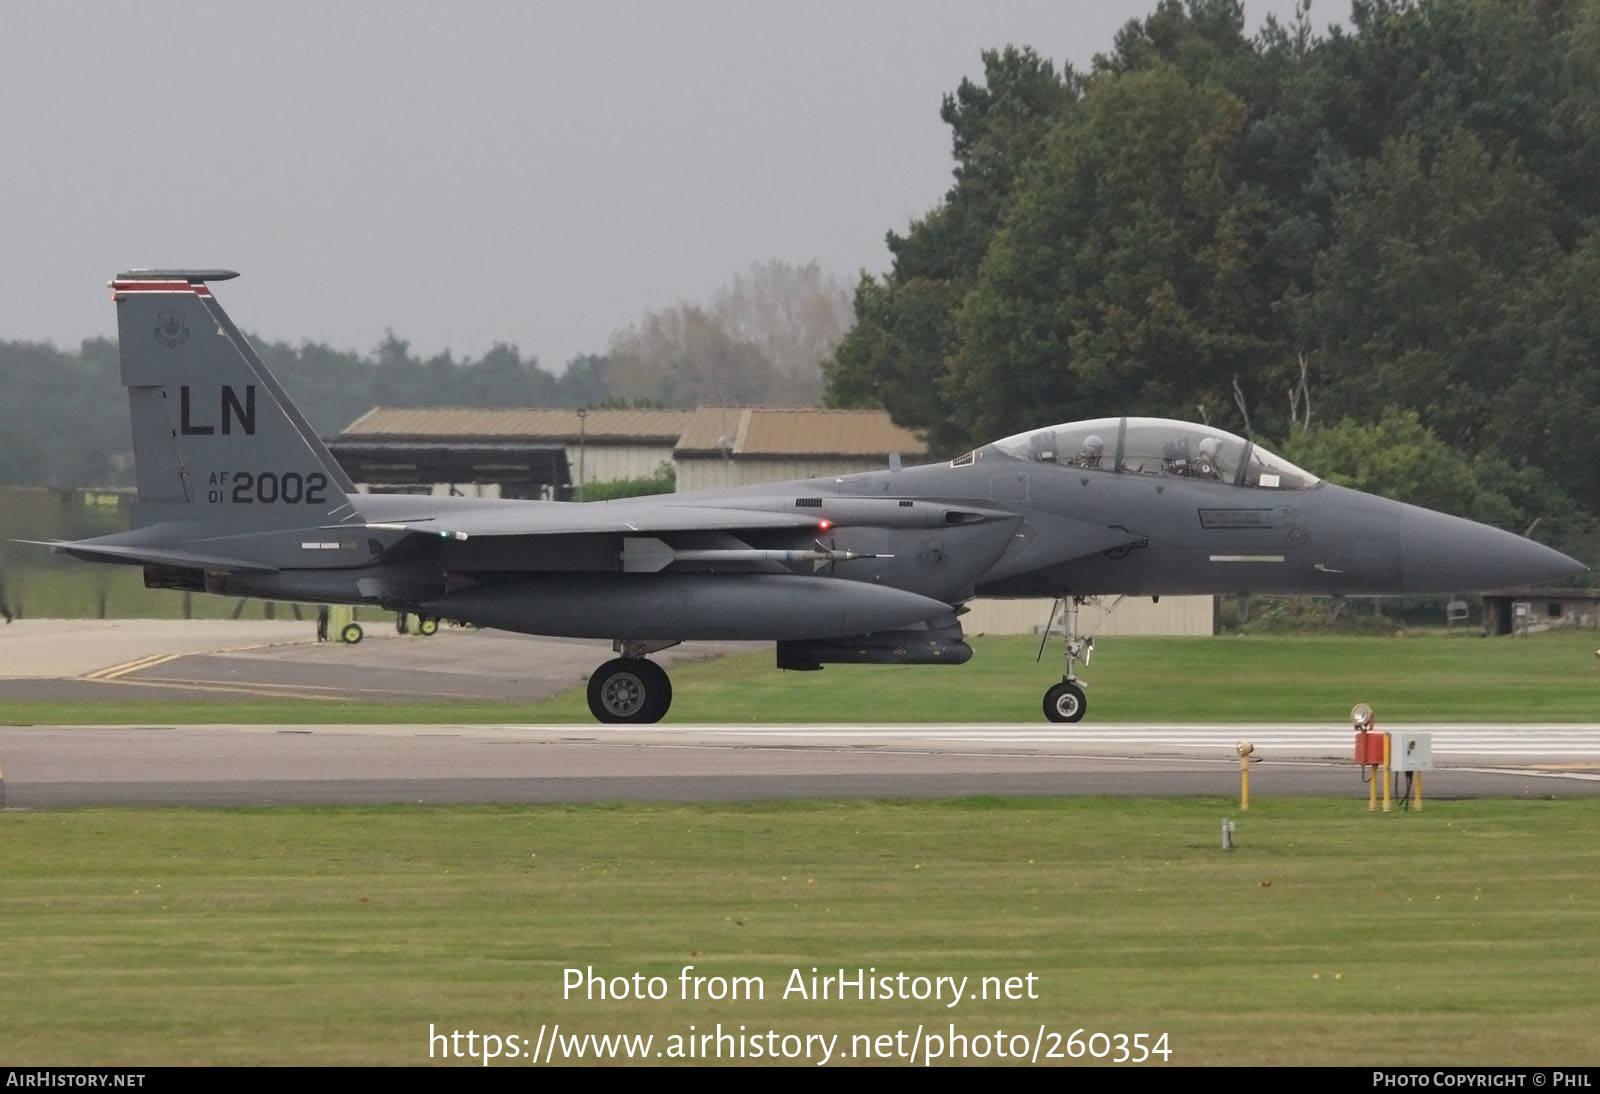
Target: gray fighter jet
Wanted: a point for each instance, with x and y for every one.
(238, 496)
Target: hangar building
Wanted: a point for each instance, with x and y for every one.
(513, 453)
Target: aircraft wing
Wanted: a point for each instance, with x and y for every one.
(557, 519)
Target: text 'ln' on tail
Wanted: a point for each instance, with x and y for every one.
(213, 432)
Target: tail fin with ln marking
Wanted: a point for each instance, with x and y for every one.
(230, 475)
(215, 437)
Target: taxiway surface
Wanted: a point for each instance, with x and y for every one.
(224, 764)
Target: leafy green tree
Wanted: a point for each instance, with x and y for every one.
(1399, 457)
(905, 322)
(1416, 295)
(1203, 39)
(583, 383)
(1121, 279)
(1545, 391)
(63, 417)
(893, 356)
(502, 377)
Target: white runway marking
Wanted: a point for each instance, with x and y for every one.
(49, 766)
(1451, 742)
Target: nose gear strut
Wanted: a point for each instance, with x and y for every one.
(1066, 702)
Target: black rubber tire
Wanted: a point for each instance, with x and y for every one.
(1065, 703)
(662, 686)
(629, 690)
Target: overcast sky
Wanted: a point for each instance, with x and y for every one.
(481, 172)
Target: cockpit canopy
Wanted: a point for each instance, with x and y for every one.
(1153, 446)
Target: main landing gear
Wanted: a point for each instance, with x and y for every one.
(1066, 702)
(631, 689)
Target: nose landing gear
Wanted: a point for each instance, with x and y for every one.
(1066, 702)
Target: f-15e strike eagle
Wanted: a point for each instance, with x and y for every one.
(238, 496)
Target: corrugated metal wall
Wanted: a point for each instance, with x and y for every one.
(609, 462)
(1188, 615)
(715, 473)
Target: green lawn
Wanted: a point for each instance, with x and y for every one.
(1469, 933)
(69, 590)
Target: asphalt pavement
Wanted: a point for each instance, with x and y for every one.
(230, 764)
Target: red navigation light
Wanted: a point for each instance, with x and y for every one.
(824, 525)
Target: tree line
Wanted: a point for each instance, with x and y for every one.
(1370, 248)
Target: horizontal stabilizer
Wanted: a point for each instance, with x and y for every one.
(154, 556)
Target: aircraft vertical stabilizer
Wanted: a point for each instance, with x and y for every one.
(214, 434)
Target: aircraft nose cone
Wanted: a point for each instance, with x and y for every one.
(1445, 554)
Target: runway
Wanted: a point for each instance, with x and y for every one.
(226, 764)
(54, 767)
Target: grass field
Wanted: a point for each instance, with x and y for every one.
(1551, 677)
(72, 590)
(1469, 933)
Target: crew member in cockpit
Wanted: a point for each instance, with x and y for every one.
(1090, 451)
(1175, 457)
(1205, 463)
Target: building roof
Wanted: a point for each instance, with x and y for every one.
(739, 432)
(783, 432)
(556, 426)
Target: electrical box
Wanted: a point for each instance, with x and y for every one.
(1410, 751)
(1369, 748)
